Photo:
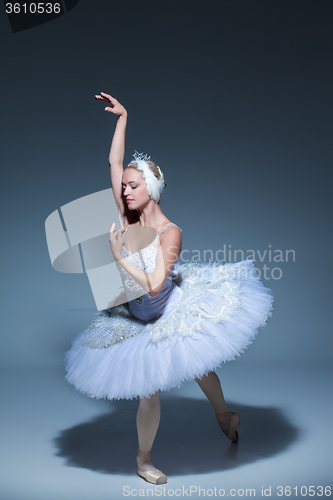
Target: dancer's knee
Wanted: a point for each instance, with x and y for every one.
(203, 377)
(208, 378)
(151, 402)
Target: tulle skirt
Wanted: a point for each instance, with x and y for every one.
(213, 313)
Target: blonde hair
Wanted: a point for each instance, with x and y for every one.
(152, 166)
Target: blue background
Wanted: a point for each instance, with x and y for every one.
(233, 99)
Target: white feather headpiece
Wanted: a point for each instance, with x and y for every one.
(154, 185)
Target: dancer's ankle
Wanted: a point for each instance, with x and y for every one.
(143, 460)
(221, 410)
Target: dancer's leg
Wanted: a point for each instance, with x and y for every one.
(228, 421)
(147, 421)
(211, 386)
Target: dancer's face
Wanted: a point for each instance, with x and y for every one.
(134, 189)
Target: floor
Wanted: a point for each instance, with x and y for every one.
(60, 445)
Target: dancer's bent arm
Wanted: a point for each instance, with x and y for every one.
(167, 255)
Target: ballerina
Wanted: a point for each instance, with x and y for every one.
(167, 333)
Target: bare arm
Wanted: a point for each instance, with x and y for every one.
(167, 255)
(116, 159)
(117, 151)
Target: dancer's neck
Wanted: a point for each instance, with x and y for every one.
(151, 215)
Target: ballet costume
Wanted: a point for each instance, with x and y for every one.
(205, 315)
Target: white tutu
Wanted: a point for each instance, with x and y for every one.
(210, 318)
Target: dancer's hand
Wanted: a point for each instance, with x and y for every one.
(116, 242)
(114, 106)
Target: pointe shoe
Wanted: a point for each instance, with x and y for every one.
(152, 476)
(228, 422)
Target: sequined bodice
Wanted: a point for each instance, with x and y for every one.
(142, 305)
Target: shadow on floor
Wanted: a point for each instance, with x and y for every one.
(188, 440)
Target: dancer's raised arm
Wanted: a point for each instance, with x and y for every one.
(117, 151)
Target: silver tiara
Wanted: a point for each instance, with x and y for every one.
(140, 156)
